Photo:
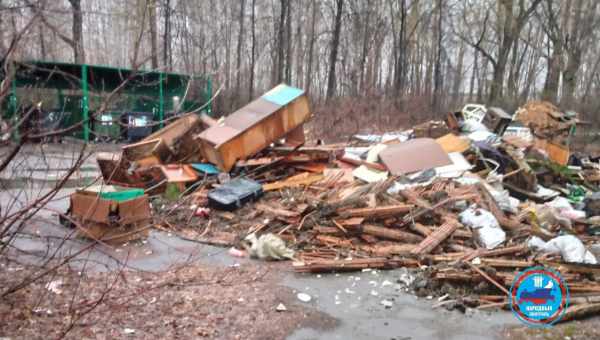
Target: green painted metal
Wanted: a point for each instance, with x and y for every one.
(13, 106)
(13, 97)
(161, 100)
(80, 87)
(84, 103)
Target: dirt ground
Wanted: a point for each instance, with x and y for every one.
(186, 303)
(573, 330)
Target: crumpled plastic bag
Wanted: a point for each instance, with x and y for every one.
(501, 196)
(484, 225)
(565, 209)
(568, 246)
(268, 247)
(550, 218)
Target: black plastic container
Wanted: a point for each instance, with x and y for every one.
(233, 194)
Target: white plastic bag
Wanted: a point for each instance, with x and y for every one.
(268, 247)
(565, 209)
(484, 225)
(568, 246)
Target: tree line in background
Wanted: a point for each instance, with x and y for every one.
(441, 53)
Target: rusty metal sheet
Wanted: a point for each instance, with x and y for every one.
(219, 134)
(414, 155)
(251, 129)
(251, 114)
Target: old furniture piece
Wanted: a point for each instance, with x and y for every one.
(277, 114)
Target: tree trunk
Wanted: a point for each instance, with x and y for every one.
(253, 56)
(474, 76)
(437, 91)
(334, 49)
(229, 17)
(151, 5)
(167, 55)
(280, 42)
(311, 46)
(299, 50)
(550, 91)
(43, 54)
(288, 43)
(365, 47)
(77, 30)
(238, 65)
(458, 75)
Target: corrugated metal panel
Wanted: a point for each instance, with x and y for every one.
(282, 94)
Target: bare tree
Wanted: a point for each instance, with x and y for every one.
(335, 42)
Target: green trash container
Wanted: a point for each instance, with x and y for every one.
(72, 115)
(106, 126)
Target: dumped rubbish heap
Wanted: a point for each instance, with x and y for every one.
(468, 201)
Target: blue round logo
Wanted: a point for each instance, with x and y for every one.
(539, 297)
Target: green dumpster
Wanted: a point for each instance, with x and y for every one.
(106, 126)
(72, 115)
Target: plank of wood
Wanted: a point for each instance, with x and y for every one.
(378, 211)
(413, 216)
(322, 266)
(391, 234)
(276, 211)
(294, 181)
(334, 241)
(581, 311)
(490, 279)
(438, 236)
(351, 222)
(389, 249)
(357, 162)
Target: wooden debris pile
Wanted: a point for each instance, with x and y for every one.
(384, 201)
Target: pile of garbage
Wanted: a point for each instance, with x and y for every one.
(470, 200)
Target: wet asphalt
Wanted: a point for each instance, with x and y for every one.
(368, 305)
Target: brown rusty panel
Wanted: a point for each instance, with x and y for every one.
(229, 144)
(296, 137)
(219, 134)
(90, 208)
(156, 148)
(176, 130)
(134, 210)
(414, 155)
(251, 114)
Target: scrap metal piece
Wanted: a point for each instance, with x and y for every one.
(252, 128)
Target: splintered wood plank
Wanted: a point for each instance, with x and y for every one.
(391, 234)
(378, 211)
(352, 222)
(389, 249)
(334, 241)
(276, 211)
(436, 237)
(322, 266)
(294, 181)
